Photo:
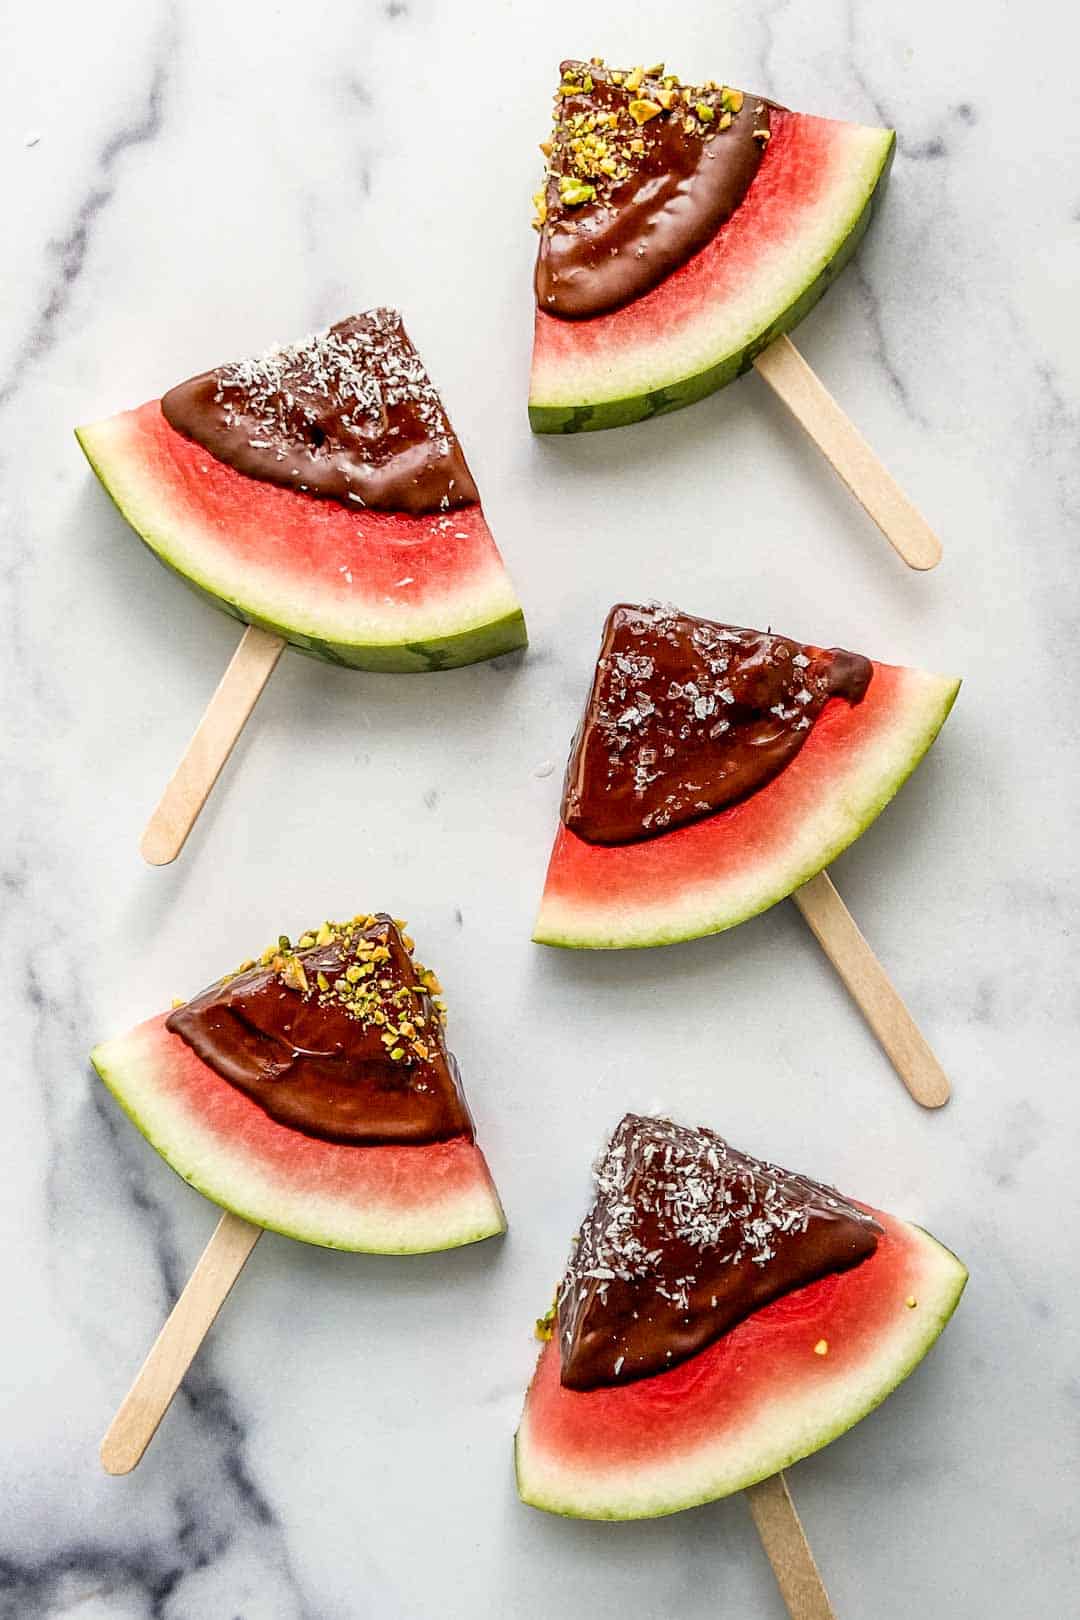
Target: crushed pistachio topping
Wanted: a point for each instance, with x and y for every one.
(603, 121)
(573, 191)
(641, 111)
(545, 1325)
(350, 966)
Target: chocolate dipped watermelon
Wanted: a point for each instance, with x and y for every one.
(716, 770)
(319, 492)
(311, 1092)
(682, 229)
(720, 1318)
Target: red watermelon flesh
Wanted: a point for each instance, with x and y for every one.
(387, 1199)
(800, 222)
(712, 874)
(373, 590)
(778, 1386)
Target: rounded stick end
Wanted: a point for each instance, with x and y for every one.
(116, 1457)
(158, 847)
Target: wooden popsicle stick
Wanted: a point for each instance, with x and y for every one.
(841, 443)
(175, 1347)
(249, 669)
(788, 1550)
(837, 932)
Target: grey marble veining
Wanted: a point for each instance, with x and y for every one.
(202, 185)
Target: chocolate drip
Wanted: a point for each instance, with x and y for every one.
(687, 715)
(349, 415)
(686, 1238)
(626, 203)
(334, 1062)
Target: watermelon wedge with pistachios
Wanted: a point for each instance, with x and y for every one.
(310, 1091)
(682, 229)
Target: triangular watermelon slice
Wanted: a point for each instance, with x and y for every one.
(709, 874)
(345, 1188)
(774, 246)
(784, 1381)
(373, 588)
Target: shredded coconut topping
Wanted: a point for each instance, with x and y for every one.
(354, 372)
(663, 1188)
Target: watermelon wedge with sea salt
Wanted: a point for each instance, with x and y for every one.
(722, 864)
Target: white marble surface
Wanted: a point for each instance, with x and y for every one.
(206, 180)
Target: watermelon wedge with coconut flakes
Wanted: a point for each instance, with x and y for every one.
(754, 1402)
(765, 267)
(612, 1439)
(387, 1197)
(711, 874)
(394, 590)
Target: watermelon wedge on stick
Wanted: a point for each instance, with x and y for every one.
(319, 494)
(720, 1318)
(718, 770)
(684, 232)
(309, 1092)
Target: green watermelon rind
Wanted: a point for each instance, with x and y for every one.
(118, 1064)
(932, 1319)
(421, 654)
(715, 371)
(939, 697)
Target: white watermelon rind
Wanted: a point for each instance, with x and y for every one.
(229, 1179)
(478, 620)
(684, 362)
(849, 801)
(796, 1427)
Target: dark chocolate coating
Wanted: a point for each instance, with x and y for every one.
(686, 1238)
(689, 180)
(686, 716)
(349, 415)
(316, 1068)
